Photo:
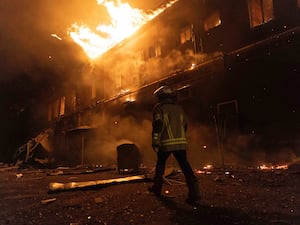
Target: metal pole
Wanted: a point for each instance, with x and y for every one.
(220, 144)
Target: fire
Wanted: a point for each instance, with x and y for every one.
(125, 20)
(273, 167)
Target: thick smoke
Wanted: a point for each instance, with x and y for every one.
(114, 131)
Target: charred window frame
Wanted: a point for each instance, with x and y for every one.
(228, 115)
(186, 34)
(155, 51)
(260, 12)
(212, 20)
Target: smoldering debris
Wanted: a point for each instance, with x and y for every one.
(47, 201)
(36, 150)
(170, 178)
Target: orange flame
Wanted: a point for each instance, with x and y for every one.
(273, 167)
(124, 22)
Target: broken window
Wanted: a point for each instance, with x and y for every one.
(154, 51)
(186, 34)
(212, 20)
(260, 11)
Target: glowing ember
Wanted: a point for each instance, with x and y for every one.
(56, 36)
(205, 169)
(208, 167)
(200, 171)
(272, 167)
(124, 22)
(192, 66)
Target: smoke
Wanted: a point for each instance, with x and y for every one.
(114, 131)
(49, 65)
(130, 70)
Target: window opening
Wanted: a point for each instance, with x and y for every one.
(155, 51)
(260, 11)
(212, 20)
(185, 35)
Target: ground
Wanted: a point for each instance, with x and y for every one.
(232, 196)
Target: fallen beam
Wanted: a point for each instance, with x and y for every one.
(55, 187)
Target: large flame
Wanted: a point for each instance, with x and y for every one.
(124, 22)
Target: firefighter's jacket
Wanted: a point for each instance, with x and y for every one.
(169, 126)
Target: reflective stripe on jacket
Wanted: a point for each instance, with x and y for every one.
(169, 126)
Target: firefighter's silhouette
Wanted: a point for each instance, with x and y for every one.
(169, 127)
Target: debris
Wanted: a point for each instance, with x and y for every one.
(47, 201)
(53, 187)
(172, 181)
(55, 173)
(169, 172)
(219, 179)
(99, 200)
(2, 169)
(294, 166)
(19, 175)
(29, 150)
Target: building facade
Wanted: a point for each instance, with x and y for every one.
(235, 65)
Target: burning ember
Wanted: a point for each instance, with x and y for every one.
(206, 169)
(272, 167)
(125, 20)
(56, 36)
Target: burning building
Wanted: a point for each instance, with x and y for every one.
(234, 64)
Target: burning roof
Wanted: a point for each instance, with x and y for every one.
(124, 21)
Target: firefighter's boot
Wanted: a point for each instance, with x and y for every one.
(194, 192)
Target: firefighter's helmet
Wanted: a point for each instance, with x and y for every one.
(164, 91)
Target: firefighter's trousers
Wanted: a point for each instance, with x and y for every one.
(191, 180)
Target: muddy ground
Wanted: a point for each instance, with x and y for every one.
(232, 196)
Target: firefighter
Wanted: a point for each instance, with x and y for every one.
(169, 126)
